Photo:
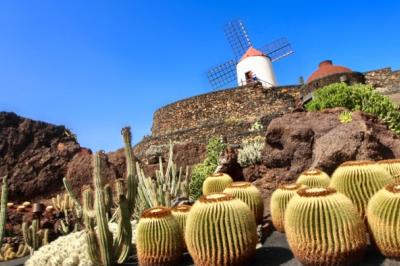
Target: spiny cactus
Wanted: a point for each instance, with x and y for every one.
(62, 203)
(33, 236)
(279, 201)
(181, 213)
(216, 182)
(360, 180)
(250, 195)
(323, 228)
(314, 178)
(7, 252)
(221, 230)
(3, 208)
(392, 166)
(383, 215)
(156, 223)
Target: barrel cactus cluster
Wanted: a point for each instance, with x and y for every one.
(314, 178)
(392, 166)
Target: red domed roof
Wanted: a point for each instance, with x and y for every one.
(326, 68)
(252, 52)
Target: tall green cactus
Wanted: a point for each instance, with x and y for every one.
(33, 236)
(383, 215)
(3, 208)
(323, 228)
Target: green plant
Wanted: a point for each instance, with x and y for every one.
(33, 236)
(323, 228)
(250, 195)
(279, 201)
(200, 171)
(181, 213)
(156, 223)
(3, 208)
(384, 219)
(345, 117)
(357, 97)
(257, 126)
(250, 153)
(392, 166)
(360, 180)
(314, 178)
(216, 182)
(220, 230)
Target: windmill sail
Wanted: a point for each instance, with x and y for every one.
(222, 74)
(238, 39)
(278, 49)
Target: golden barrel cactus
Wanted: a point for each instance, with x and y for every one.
(360, 180)
(383, 215)
(324, 228)
(216, 182)
(279, 201)
(181, 213)
(159, 239)
(250, 195)
(314, 178)
(221, 230)
(392, 166)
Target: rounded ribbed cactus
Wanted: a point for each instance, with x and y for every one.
(158, 237)
(216, 183)
(250, 195)
(314, 178)
(181, 213)
(383, 215)
(279, 201)
(221, 230)
(360, 180)
(323, 228)
(392, 166)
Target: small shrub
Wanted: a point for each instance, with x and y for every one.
(207, 167)
(345, 117)
(257, 126)
(357, 97)
(250, 154)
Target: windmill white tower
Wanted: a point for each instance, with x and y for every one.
(250, 65)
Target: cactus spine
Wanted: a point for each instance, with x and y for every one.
(3, 208)
(33, 236)
(279, 201)
(221, 230)
(392, 166)
(323, 228)
(250, 195)
(156, 223)
(216, 182)
(181, 213)
(360, 180)
(314, 178)
(384, 219)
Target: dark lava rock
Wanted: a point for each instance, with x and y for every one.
(34, 155)
(228, 164)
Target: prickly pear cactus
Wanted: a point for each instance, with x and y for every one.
(383, 215)
(392, 166)
(279, 201)
(250, 195)
(314, 178)
(323, 228)
(360, 180)
(159, 238)
(221, 230)
(216, 182)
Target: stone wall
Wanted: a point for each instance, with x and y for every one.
(386, 82)
(242, 104)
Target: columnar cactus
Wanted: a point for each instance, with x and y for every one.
(33, 236)
(279, 201)
(181, 213)
(323, 228)
(250, 195)
(3, 208)
(216, 182)
(221, 230)
(314, 178)
(159, 238)
(392, 166)
(360, 180)
(383, 215)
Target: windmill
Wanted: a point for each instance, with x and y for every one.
(250, 65)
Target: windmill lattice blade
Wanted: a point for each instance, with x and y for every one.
(278, 49)
(222, 74)
(238, 39)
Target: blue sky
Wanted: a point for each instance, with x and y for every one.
(96, 66)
